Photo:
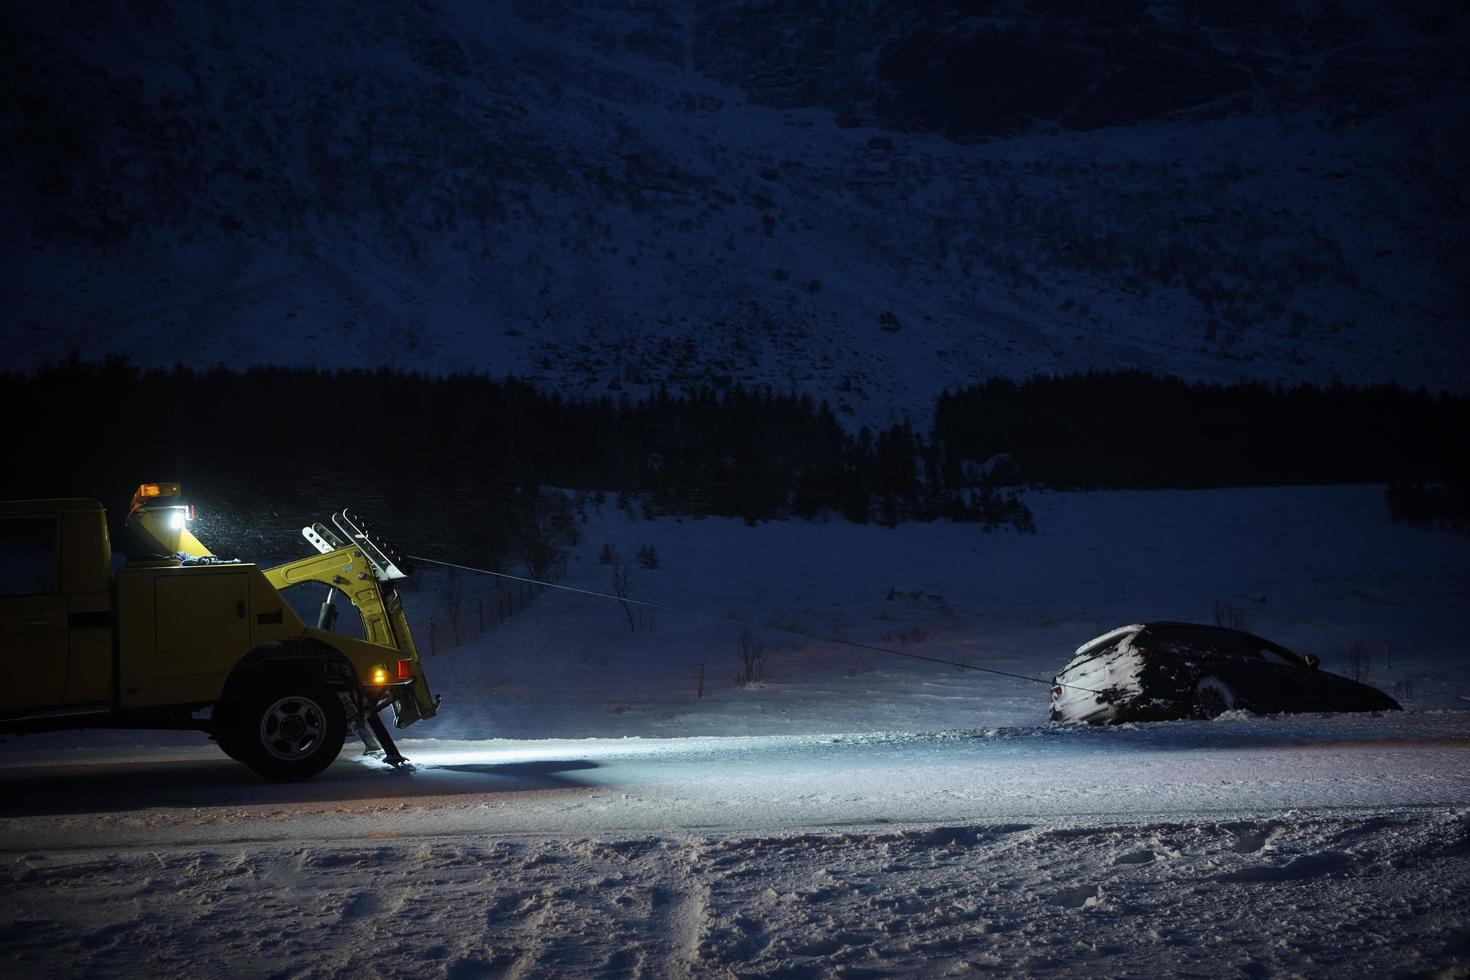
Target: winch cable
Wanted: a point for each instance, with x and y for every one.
(735, 621)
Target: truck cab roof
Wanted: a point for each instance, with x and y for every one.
(49, 506)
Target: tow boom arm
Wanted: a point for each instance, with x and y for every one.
(363, 569)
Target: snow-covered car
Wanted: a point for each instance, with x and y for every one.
(1159, 671)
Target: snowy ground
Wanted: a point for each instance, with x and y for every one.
(851, 815)
(1244, 846)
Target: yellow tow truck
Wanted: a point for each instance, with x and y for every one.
(178, 638)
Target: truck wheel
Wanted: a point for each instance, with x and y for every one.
(227, 732)
(290, 730)
(1212, 698)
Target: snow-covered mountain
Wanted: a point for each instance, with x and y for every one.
(867, 201)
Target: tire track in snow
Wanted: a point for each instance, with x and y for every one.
(685, 922)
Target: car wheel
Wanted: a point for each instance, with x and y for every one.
(290, 730)
(1212, 698)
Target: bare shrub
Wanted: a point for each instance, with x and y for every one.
(622, 582)
(752, 660)
(512, 599)
(1228, 614)
(1359, 663)
(542, 555)
(546, 527)
(453, 601)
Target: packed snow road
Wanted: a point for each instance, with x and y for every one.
(1246, 846)
(190, 794)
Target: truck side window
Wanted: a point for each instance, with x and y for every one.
(27, 556)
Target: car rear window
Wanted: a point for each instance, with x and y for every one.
(1175, 639)
(1104, 644)
(1236, 644)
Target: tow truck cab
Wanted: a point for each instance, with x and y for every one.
(55, 605)
(183, 639)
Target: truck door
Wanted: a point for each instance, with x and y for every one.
(33, 628)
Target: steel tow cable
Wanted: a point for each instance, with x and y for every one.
(747, 623)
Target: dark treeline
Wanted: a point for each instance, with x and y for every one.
(1132, 429)
(456, 465)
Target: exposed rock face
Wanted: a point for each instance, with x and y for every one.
(974, 71)
(865, 201)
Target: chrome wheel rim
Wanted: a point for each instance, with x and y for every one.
(292, 728)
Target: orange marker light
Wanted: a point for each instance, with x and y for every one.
(150, 490)
(379, 676)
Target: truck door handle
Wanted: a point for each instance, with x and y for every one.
(35, 623)
(240, 609)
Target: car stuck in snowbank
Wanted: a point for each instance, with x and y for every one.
(1160, 671)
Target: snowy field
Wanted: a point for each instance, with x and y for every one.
(580, 810)
(1321, 570)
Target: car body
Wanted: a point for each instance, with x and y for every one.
(1164, 670)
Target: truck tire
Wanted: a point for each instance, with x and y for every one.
(226, 730)
(288, 730)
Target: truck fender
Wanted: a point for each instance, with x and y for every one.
(294, 656)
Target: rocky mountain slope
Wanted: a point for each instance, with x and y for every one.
(868, 202)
